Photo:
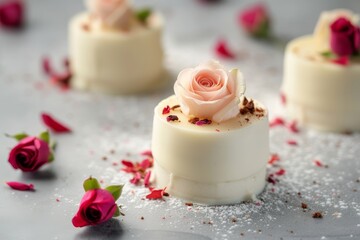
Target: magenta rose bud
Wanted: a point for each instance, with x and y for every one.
(343, 37)
(255, 21)
(97, 206)
(30, 154)
(11, 13)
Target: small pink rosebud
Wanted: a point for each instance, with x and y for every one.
(344, 37)
(30, 154)
(11, 13)
(96, 206)
(255, 21)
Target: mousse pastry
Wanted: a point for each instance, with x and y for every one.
(210, 143)
(322, 74)
(115, 49)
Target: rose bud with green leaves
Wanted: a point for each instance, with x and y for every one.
(255, 20)
(31, 152)
(97, 205)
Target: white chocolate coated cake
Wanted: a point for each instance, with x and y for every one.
(216, 163)
(322, 93)
(116, 60)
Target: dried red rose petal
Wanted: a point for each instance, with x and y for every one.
(136, 179)
(203, 122)
(274, 158)
(292, 142)
(278, 121)
(318, 163)
(343, 61)
(293, 127)
(21, 186)
(156, 194)
(172, 118)
(271, 179)
(222, 50)
(127, 163)
(166, 110)
(60, 79)
(11, 13)
(280, 172)
(53, 124)
(147, 179)
(145, 164)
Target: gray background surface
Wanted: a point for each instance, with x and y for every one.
(123, 123)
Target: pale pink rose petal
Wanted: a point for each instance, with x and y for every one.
(21, 186)
(184, 82)
(228, 112)
(236, 83)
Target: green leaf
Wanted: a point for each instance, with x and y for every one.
(117, 212)
(18, 136)
(45, 136)
(91, 184)
(143, 14)
(115, 190)
(327, 54)
(51, 157)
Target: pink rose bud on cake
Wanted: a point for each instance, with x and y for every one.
(97, 205)
(113, 13)
(255, 21)
(30, 154)
(209, 91)
(344, 37)
(11, 13)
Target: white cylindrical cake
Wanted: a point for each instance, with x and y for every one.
(321, 87)
(116, 61)
(209, 162)
(320, 94)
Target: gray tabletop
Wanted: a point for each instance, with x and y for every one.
(102, 124)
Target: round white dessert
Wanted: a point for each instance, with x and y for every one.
(320, 94)
(115, 61)
(218, 163)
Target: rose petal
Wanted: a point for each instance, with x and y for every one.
(137, 177)
(21, 186)
(280, 172)
(343, 61)
(227, 112)
(156, 194)
(278, 121)
(222, 50)
(147, 153)
(147, 179)
(292, 142)
(318, 163)
(53, 124)
(145, 164)
(274, 158)
(293, 127)
(127, 163)
(166, 110)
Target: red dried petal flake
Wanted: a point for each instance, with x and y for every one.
(274, 158)
(145, 164)
(166, 110)
(222, 50)
(53, 124)
(172, 118)
(278, 121)
(343, 61)
(21, 186)
(60, 79)
(293, 127)
(318, 163)
(271, 179)
(280, 172)
(292, 142)
(137, 177)
(283, 98)
(156, 194)
(147, 179)
(12, 13)
(127, 163)
(203, 122)
(147, 153)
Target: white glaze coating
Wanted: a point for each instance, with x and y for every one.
(113, 61)
(320, 94)
(206, 163)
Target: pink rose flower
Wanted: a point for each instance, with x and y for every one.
(30, 154)
(255, 21)
(11, 13)
(344, 37)
(97, 206)
(113, 13)
(209, 91)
